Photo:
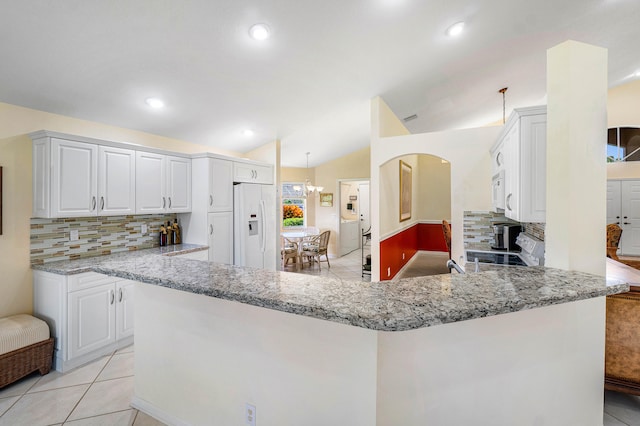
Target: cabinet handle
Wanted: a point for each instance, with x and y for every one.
(120, 295)
(210, 200)
(93, 203)
(617, 223)
(210, 229)
(617, 217)
(101, 203)
(169, 202)
(625, 217)
(499, 159)
(509, 202)
(113, 296)
(164, 202)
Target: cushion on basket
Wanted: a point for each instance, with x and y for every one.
(22, 330)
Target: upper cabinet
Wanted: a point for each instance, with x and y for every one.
(87, 177)
(163, 183)
(252, 173)
(522, 146)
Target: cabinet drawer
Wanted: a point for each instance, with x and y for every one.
(88, 280)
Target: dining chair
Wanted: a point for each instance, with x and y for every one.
(446, 230)
(314, 249)
(289, 250)
(614, 232)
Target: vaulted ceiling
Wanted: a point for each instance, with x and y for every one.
(309, 84)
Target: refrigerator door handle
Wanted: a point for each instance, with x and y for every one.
(263, 223)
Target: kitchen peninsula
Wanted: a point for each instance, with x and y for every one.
(448, 349)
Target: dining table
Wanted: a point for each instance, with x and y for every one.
(297, 237)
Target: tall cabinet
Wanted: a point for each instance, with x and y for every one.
(211, 219)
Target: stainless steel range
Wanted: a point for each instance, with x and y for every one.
(532, 253)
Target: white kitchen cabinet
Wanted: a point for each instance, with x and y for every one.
(116, 181)
(89, 314)
(497, 157)
(220, 179)
(163, 183)
(623, 208)
(220, 237)
(212, 208)
(178, 184)
(252, 173)
(523, 144)
(74, 179)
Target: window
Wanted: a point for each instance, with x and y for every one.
(623, 144)
(293, 205)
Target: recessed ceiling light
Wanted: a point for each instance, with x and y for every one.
(456, 29)
(247, 132)
(259, 32)
(154, 102)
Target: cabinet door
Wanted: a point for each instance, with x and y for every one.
(511, 150)
(91, 319)
(533, 168)
(614, 199)
(243, 172)
(151, 181)
(116, 181)
(221, 237)
(630, 239)
(74, 178)
(179, 184)
(124, 308)
(220, 185)
(263, 174)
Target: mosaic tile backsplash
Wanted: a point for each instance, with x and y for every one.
(98, 236)
(478, 234)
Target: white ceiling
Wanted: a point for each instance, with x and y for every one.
(310, 83)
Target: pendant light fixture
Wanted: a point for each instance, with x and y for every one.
(309, 187)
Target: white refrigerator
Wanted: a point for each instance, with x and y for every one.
(254, 221)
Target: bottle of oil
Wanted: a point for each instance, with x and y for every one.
(177, 232)
(169, 233)
(163, 236)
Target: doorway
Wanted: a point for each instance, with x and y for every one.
(354, 206)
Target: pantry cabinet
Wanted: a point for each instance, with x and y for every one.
(163, 183)
(220, 185)
(220, 237)
(89, 314)
(522, 145)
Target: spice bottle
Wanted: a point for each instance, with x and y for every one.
(169, 233)
(163, 236)
(177, 232)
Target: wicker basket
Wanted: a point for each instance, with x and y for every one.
(17, 364)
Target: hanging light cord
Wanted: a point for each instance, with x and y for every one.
(504, 105)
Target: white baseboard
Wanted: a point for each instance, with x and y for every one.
(157, 413)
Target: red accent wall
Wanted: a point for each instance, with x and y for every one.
(421, 236)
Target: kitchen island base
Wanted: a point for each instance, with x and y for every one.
(200, 359)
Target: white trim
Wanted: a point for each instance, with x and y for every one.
(155, 412)
(409, 225)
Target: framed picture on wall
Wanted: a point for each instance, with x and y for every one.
(326, 199)
(405, 191)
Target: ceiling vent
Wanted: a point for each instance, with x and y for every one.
(409, 118)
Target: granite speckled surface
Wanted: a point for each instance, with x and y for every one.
(388, 306)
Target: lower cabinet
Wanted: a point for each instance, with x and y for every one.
(89, 314)
(220, 238)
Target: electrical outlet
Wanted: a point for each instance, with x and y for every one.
(402, 256)
(144, 229)
(73, 235)
(250, 414)
(389, 271)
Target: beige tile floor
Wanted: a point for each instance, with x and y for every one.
(96, 394)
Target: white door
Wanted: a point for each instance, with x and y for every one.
(179, 184)
(116, 181)
(74, 178)
(364, 206)
(124, 308)
(221, 237)
(614, 200)
(151, 181)
(630, 240)
(91, 319)
(220, 185)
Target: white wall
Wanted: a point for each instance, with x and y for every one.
(466, 150)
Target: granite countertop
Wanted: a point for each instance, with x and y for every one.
(400, 305)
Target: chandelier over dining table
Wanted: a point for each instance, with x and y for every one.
(309, 187)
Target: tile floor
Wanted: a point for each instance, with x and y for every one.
(347, 267)
(96, 394)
